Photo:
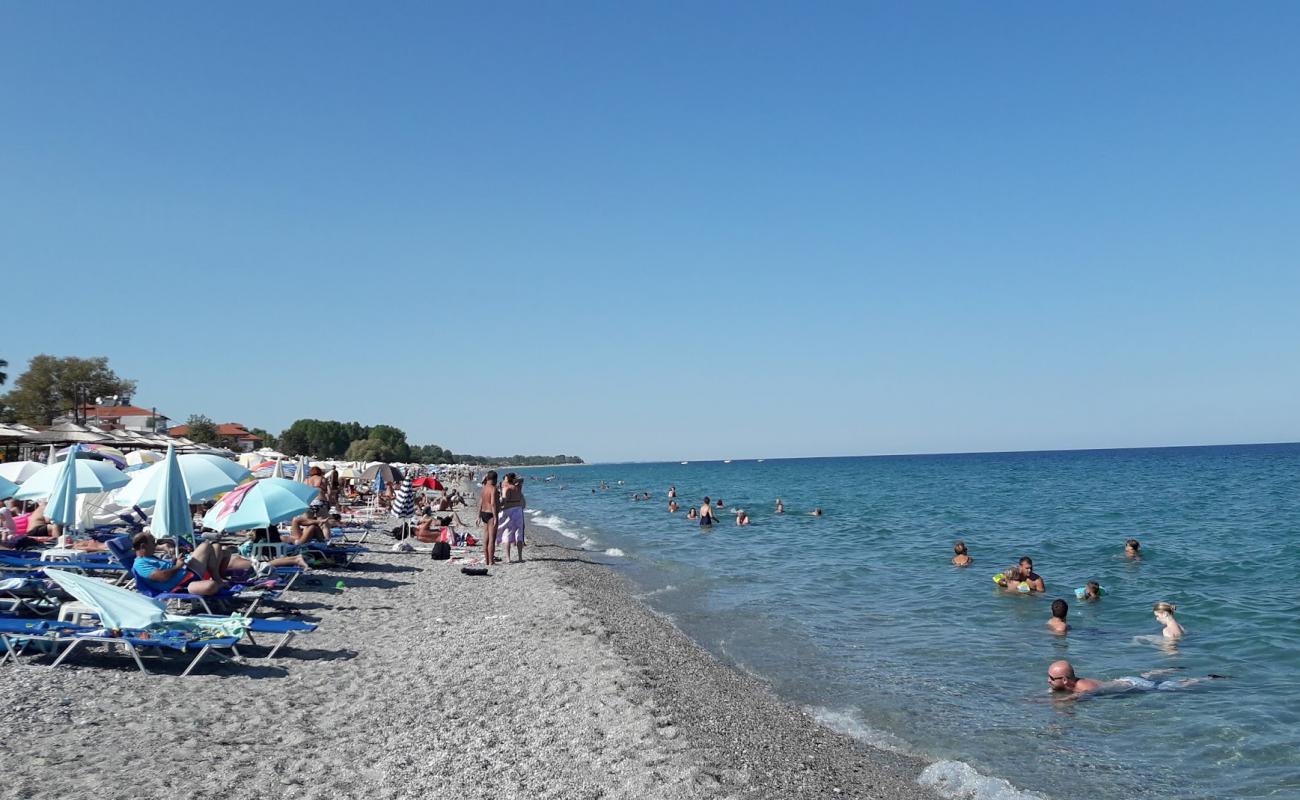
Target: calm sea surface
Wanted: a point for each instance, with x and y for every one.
(858, 615)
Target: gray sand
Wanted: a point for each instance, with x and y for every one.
(541, 680)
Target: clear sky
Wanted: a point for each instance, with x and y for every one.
(667, 230)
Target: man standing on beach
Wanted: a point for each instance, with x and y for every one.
(489, 505)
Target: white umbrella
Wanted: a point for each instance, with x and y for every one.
(300, 470)
(278, 470)
(20, 471)
(204, 476)
(92, 477)
(142, 458)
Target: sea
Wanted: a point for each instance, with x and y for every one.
(859, 617)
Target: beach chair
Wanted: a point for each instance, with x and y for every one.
(18, 634)
(26, 563)
(136, 641)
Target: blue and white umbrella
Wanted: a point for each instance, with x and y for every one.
(260, 504)
(93, 477)
(7, 489)
(204, 476)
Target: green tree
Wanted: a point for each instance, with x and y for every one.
(4, 376)
(268, 438)
(373, 450)
(201, 429)
(321, 438)
(53, 386)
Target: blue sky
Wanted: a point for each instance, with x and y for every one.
(670, 230)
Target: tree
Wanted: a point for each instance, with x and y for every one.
(268, 439)
(394, 440)
(201, 429)
(4, 376)
(53, 385)
(373, 450)
(321, 438)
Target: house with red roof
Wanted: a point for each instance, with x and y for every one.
(231, 435)
(120, 417)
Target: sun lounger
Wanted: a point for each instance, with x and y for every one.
(121, 549)
(135, 641)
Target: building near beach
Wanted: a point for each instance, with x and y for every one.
(230, 435)
(116, 417)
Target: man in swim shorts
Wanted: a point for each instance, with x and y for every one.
(1061, 679)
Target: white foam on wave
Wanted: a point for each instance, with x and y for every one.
(845, 723)
(955, 780)
(614, 551)
(659, 591)
(958, 780)
(559, 525)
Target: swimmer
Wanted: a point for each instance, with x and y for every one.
(691, 513)
(816, 512)
(1030, 577)
(742, 518)
(1012, 579)
(672, 506)
(962, 559)
(1061, 679)
(780, 507)
(1091, 591)
(1165, 616)
(706, 514)
(1057, 623)
(1133, 549)
(720, 503)
(672, 492)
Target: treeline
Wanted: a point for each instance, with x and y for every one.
(53, 385)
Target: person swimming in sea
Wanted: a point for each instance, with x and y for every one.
(780, 507)
(691, 513)
(1164, 613)
(1133, 549)
(1091, 591)
(672, 506)
(1057, 623)
(1028, 576)
(706, 514)
(962, 558)
(816, 512)
(1062, 680)
(742, 518)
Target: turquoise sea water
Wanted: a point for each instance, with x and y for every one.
(859, 617)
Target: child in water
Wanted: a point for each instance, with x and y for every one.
(1091, 591)
(1133, 549)
(962, 559)
(1057, 623)
(1165, 616)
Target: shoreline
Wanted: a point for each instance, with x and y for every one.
(748, 740)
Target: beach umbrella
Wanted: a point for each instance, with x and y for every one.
(137, 460)
(101, 451)
(278, 470)
(20, 471)
(381, 470)
(62, 505)
(428, 482)
(404, 500)
(118, 608)
(171, 515)
(348, 472)
(93, 477)
(7, 489)
(260, 504)
(204, 477)
(300, 470)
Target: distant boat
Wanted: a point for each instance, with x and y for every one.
(728, 461)
(686, 462)
(761, 460)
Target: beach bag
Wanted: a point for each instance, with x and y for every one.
(441, 551)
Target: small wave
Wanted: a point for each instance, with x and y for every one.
(659, 591)
(958, 780)
(845, 723)
(559, 525)
(614, 551)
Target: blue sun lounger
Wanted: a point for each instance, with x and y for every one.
(17, 634)
(121, 549)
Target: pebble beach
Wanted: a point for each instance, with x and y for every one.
(546, 679)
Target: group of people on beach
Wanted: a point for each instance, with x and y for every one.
(1021, 578)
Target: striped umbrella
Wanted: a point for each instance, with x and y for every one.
(102, 451)
(404, 500)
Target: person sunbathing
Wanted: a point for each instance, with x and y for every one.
(308, 528)
(199, 574)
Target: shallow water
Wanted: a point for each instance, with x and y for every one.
(859, 616)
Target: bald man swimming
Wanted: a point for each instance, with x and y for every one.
(1061, 679)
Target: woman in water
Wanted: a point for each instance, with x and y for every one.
(780, 507)
(962, 558)
(1165, 616)
(706, 514)
(742, 518)
(1133, 549)
(691, 513)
